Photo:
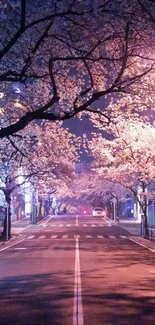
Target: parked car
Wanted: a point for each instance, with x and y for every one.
(99, 212)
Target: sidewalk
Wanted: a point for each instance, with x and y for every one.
(19, 225)
(130, 222)
(126, 222)
(25, 223)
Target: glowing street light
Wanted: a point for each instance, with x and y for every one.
(1, 95)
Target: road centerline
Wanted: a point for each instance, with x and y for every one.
(77, 304)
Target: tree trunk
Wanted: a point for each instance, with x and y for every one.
(145, 220)
(6, 233)
(117, 210)
(143, 206)
(109, 209)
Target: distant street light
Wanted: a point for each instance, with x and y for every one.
(1, 95)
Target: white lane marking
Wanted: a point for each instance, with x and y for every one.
(17, 242)
(108, 223)
(111, 236)
(41, 237)
(77, 223)
(93, 225)
(20, 248)
(60, 225)
(84, 225)
(68, 225)
(65, 236)
(88, 236)
(43, 223)
(77, 304)
(150, 249)
(30, 237)
(54, 236)
(101, 225)
(100, 236)
(122, 236)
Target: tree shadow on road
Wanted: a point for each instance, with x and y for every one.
(35, 299)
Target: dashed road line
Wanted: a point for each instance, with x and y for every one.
(73, 225)
(65, 236)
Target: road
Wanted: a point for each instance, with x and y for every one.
(76, 270)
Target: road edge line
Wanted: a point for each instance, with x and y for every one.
(152, 250)
(17, 242)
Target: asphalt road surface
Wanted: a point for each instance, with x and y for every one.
(76, 270)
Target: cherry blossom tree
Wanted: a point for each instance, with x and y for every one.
(128, 158)
(64, 58)
(98, 190)
(45, 158)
